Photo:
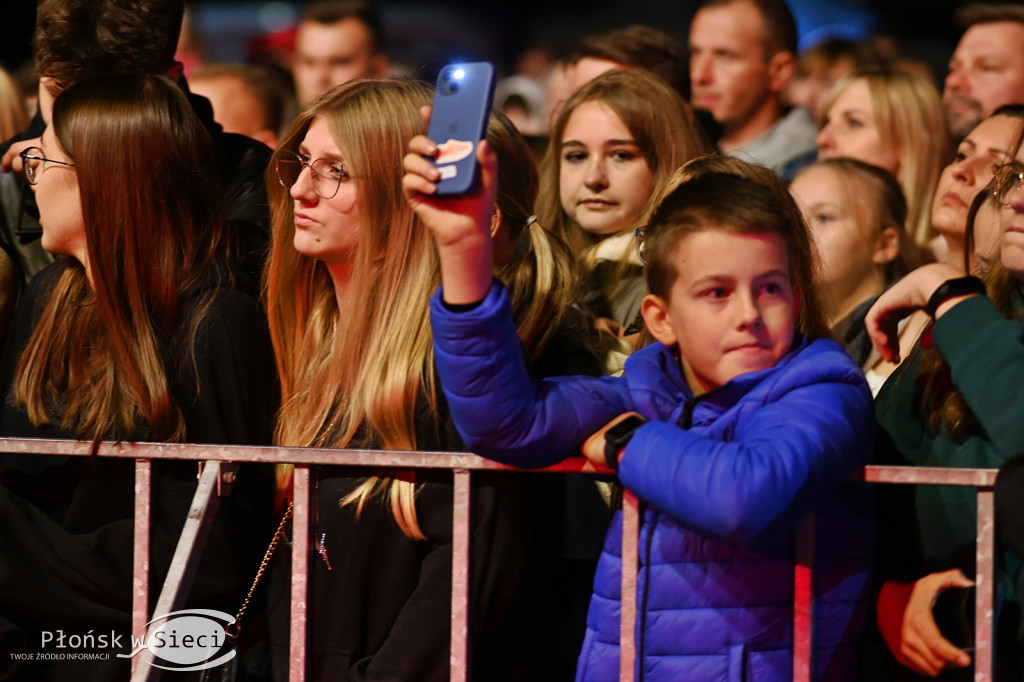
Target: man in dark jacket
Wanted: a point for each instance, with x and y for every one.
(77, 39)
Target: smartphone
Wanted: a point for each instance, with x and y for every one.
(954, 615)
(462, 103)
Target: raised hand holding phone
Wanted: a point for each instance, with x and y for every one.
(462, 103)
(461, 225)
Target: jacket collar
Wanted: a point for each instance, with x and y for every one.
(659, 389)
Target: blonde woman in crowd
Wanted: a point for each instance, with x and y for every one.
(891, 118)
(347, 287)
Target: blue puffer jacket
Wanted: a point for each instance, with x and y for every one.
(725, 478)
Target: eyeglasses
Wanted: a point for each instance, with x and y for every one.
(33, 161)
(327, 174)
(639, 233)
(1009, 180)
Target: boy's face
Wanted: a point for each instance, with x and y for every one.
(732, 308)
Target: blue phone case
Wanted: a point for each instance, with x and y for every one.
(462, 103)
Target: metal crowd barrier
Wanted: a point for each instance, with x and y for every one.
(221, 463)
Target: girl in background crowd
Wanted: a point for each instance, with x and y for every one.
(348, 283)
(856, 213)
(893, 119)
(139, 331)
(617, 138)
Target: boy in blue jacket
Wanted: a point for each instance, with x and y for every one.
(741, 419)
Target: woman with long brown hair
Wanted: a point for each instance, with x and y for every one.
(891, 118)
(139, 330)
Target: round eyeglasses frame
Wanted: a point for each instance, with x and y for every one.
(1009, 179)
(327, 174)
(32, 160)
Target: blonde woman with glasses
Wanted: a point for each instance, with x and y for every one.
(347, 289)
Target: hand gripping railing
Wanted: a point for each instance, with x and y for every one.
(222, 462)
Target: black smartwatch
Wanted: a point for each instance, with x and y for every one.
(951, 288)
(616, 438)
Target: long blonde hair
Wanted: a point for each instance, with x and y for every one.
(352, 376)
(351, 371)
(541, 273)
(908, 113)
(99, 361)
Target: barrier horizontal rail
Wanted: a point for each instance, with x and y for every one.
(463, 465)
(414, 459)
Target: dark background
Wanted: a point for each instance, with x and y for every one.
(428, 34)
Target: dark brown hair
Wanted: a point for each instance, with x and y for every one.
(153, 229)
(76, 39)
(988, 13)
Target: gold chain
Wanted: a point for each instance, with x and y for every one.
(235, 629)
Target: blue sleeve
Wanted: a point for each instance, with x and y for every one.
(499, 411)
(785, 457)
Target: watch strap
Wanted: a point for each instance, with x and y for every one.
(952, 288)
(618, 436)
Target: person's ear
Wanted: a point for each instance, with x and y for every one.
(781, 68)
(496, 222)
(887, 246)
(657, 319)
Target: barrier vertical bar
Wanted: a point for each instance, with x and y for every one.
(300, 573)
(803, 601)
(627, 627)
(140, 556)
(187, 554)
(984, 577)
(462, 507)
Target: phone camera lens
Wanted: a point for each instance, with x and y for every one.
(450, 80)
